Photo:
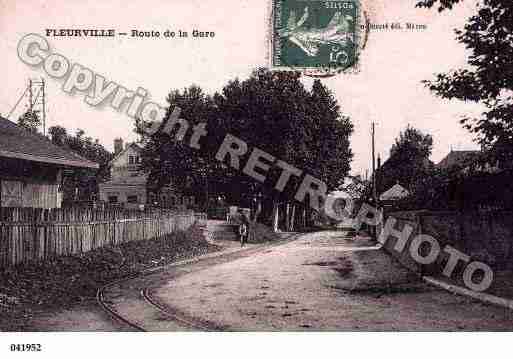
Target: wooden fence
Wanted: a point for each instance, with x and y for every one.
(28, 234)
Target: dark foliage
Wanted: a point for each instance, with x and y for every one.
(30, 121)
(408, 162)
(271, 111)
(85, 180)
(488, 78)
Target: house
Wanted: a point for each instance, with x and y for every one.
(466, 162)
(31, 168)
(127, 186)
(457, 158)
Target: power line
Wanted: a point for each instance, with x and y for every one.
(35, 101)
(17, 103)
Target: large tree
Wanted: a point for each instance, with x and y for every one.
(329, 143)
(272, 111)
(269, 110)
(488, 78)
(276, 113)
(170, 161)
(408, 161)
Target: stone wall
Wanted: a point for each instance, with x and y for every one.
(485, 237)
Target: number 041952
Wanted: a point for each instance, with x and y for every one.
(26, 347)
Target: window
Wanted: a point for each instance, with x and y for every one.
(131, 199)
(113, 199)
(131, 160)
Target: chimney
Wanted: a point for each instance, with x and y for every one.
(118, 145)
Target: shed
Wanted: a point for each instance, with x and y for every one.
(31, 168)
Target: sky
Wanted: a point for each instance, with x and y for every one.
(387, 90)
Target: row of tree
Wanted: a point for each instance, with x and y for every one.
(270, 110)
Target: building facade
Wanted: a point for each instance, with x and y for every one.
(127, 186)
(31, 168)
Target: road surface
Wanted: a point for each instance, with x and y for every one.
(317, 282)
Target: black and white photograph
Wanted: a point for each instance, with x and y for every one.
(250, 178)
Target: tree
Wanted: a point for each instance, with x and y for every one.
(408, 161)
(359, 190)
(329, 143)
(58, 135)
(271, 111)
(85, 180)
(413, 143)
(173, 162)
(488, 78)
(274, 112)
(30, 121)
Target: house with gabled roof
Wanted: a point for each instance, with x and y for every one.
(470, 162)
(127, 186)
(31, 168)
(457, 158)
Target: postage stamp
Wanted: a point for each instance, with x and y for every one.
(315, 35)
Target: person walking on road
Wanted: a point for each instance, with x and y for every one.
(243, 228)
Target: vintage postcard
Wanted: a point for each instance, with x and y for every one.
(256, 167)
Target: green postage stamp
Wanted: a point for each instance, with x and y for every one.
(315, 35)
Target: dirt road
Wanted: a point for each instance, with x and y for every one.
(323, 281)
(319, 281)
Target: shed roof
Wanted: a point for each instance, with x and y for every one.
(15, 142)
(395, 192)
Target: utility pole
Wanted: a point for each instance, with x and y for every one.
(374, 190)
(38, 100)
(43, 100)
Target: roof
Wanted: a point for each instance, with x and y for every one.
(457, 158)
(16, 142)
(127, 147)
(395, 192)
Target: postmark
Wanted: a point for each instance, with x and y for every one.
(317, 37)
